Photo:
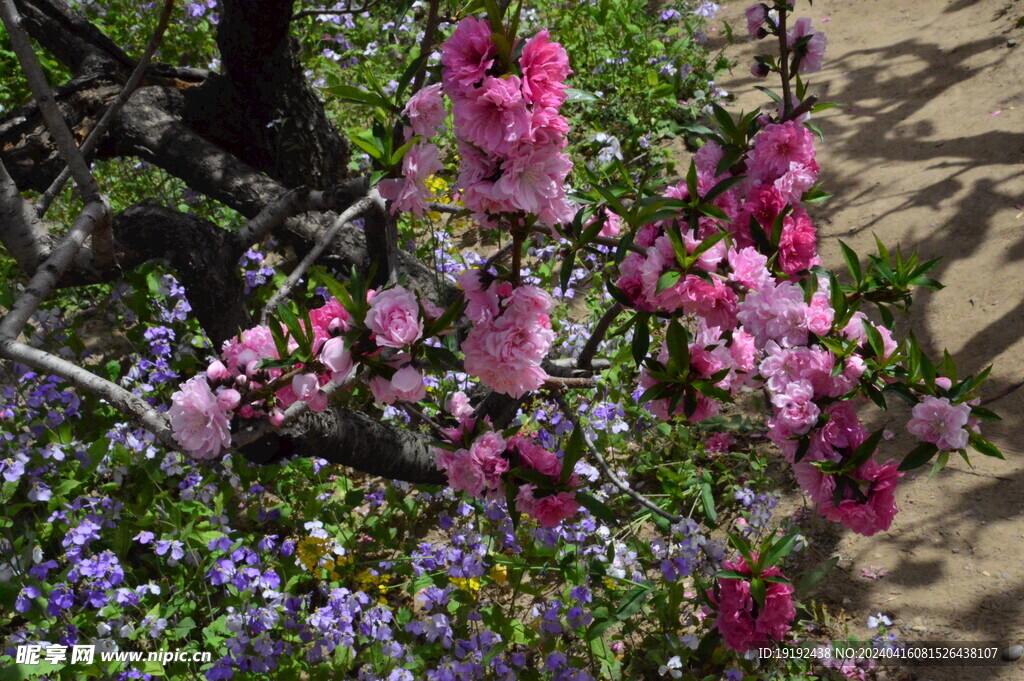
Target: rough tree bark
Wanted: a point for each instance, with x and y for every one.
(243, 137)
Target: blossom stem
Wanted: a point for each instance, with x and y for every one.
(784, 60)
(606, 469)
(590, 349)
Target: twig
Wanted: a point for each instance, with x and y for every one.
(784, 61)
(577, 382)
(418, 413)
(122, 400)
(801, 109)
(603, 240)
(590, 349)
(251, 434)
(438, 207)
(325, 239)
(606, 469)
(426, 44)
(49, 273)
(517, 253)
(295, 201)
(318, 12)
(52, 116)
(21, 231)
(498, 255)
(100, 129)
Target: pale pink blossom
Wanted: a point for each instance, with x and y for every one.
(495, 117)
(307, 389)
(410, 193)
(756, 16)
(337, 358)
(532, 182)
(253, 345)
(425, 111)
(200, 423)
(812, 54)
(748, 267)
(394, 318)
(407, 384)
(795, 410)
(938, 421)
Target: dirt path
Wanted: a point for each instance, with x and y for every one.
(927, 151)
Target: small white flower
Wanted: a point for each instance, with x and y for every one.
(672, 668)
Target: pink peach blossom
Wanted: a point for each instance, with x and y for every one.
(394, 318)
(200, 423)
(741, 629)
(425, 111)
(938, 421)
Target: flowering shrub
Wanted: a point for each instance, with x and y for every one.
(522, 565)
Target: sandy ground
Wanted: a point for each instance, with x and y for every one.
(926, 150)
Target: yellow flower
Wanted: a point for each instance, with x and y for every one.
(471, 585)
(499, 574)
(610, 584)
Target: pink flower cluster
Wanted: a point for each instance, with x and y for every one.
(742, 625)
(511, 333)
(940, 422)
(481, 471)
(752, 328)
(509, 131)
(202, 408)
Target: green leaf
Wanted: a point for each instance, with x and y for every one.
(865, 450)
(573, 452)
(722, 187)
(600, 511)
(918, 456)
(816, 576)
(574, 95)
(779, 550)
(759, 591)
(641, 337)
(983, 446)
(668, 280)
(632, 602)
(852, 262)
(707, 498)
(741, 544)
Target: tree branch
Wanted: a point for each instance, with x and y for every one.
(21, 231)
(606, 469)
(48, 107)
(49, 273)
(590, 349)
(127, 403)
(350, 214)
(100, 129)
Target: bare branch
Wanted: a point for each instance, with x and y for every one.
(49, 273)
(124, 401)
(21, 232)
(55, 122)
(100, 129)
(326, 238)
(587, 353)
(606, 469)
(328, 12)
(426, 45)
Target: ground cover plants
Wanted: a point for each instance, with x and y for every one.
(564, 378)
